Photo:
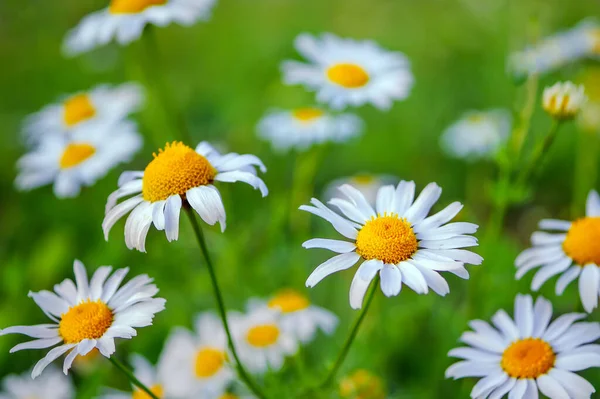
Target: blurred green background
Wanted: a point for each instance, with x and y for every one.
(223, 75)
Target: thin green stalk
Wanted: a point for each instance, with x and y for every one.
(132, 377)
(243, 374)
(586, 169)
(533, 165)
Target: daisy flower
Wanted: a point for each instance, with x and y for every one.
(197, 365)
(303, 127)
(349, 72)
(104, 105)
(398, 241)
(571, 249)
(124, 21)
(528, 354)
(362, 384)
(563, 100)
(89, 314)
(367, 183)
(300, 318)
(147, 375)
(260, 339)
(79, 161)
(52, 385)
(178, 176)
(477, 135)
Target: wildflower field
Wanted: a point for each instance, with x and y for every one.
(235, 199)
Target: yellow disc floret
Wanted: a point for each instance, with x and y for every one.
(75, 153)
(387, 238)
(263, 335)
(88, 320)
(209, 361)
(228, 395)
(289, 301)
(175, 170)
(528, 358)
(155, 389)
(132, 6)
(362, 385)
(77, 109)
(583, 241)
(350, 76)
(307, 114)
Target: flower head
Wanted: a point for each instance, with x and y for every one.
(52, 385)
(349, 72)
(146, 373)
(563, 100)
(362, 384)
(124, 20)
(89, 314)
(367, 183)
(572, 251)
(399, 241)
(177, 176)
(521, 356)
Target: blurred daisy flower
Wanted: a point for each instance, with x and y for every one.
(362, 384)
(572, 250)
(89, 314)
(103, 105)
(147, 375)
(349, 72)
(124, 21)
(52, 385)
(368, 184)
(178, 176)
(79, 161)
(563, 100)
(260, 339)
(398, 240)
(529, 354)
(197, 365)
(304, 127)
(300, 318)
(477, 135)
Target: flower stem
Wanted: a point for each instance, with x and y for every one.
(537, 156)
(244, 375)
(132, 377)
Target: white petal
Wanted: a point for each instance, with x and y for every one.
(549, 271)
(358, 289)
(118, 212)
(69, 360)
(505, 324)
(369, 268)
(349, 210)
(158, 214)
(577, 362)
(49, 358)
(335, 264)
(341, 225)
(524, 315)
(112, 284)
(246, 177)
(391, 280)
(471, 369)
(137, 226)
(358, 199)
(412, 277)
(551, 388)
(405, 194)
(172, 211)
(532, 390)
(560, 325)
(490, 382)
(338, 246)
(567, 278)
(422, 205)
(553, 224)
(440, 218)
(39, 331)
(519, 389)
(484, 342)
(83, 288)
(386, 200)
(542, 314)
(503, 389)
(207, 201)
(577, 387)
(592, 207)
(475, 355)
(36, 344)
(128, 176)
(97, 282)
(588, 287)
(436, 282)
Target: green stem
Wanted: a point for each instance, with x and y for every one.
(541, 149)
(586, 169)
(244, 375)
(132, 377)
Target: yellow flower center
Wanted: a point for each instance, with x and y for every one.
(132, 6)
(595, 34)
(263, 335)
(88, 320)
(209, 361)
(175, 170)
(350, 76)
(155, 389)
(362, 385)
(77, 109)
(76, 153)
(289, 301)
(387, 238)
(582, 242)
(363, 179)
(528, 358)
(307, 114)
(476, 118)
(228, 396)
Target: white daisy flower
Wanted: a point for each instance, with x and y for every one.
(563, 100)
(398, 241)
(477, 135)
(146, 373)
(52, 385)
(521, 357)
(196, 365)
(349, 72)
(303, 127)
(300, 318)
(178, 176)
(368, 184)
(124, 21)
(260, 339)
(103, 105)
(89, 314)
(80, 161)
(572, 250)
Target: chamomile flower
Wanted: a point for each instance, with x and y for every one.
(79, 161)
(52, 385)
(89, 314)
(399, 241)
(146, 373)
(520, 357)
(261, 341)
(197, 365)
(304, 127)
(177, 176)
(103, 105)
(563, 100)
(300, 318)
(362, 384)
(349, 72)
(124, 21)
(571, 250)
(367, 183)
(477, 135)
